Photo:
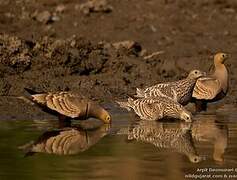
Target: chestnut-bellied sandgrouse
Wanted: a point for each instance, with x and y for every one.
(212, 87)
(70, 105)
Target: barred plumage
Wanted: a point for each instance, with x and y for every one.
(154, 108)
(66, 141)
(175, 138)
(213, 87)
(71, 105)
(183, 88)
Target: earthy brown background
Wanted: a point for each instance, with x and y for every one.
(52, 45)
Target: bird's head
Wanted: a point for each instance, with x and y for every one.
(195, 74)
(105, 117)
(97, 111)
(220, 58)
(186, 116)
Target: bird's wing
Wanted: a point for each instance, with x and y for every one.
(152, 90)
(64, 103)
(160, 85)
(206, 88)
(154, 110)
(140, 93)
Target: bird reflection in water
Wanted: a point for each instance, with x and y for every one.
(182, 137)
(208, 129)
(173, 136)
(66, 140)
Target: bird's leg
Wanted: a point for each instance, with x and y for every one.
(200, 105)
(63, 121)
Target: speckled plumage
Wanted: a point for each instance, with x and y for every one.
(183, 88)
(155, 108)
(175, 138)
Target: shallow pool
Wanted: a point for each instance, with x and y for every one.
(127, 149)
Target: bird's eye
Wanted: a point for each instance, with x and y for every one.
(195, 159)
(195, 72)
(223, 55)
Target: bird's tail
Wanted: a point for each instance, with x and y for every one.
(123, 131)
(27, 149)
(25, 99)
(140, 93)
(127, 105)
(34, 96)
(30, 91)
(124, 105)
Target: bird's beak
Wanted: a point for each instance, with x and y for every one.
(226, 56)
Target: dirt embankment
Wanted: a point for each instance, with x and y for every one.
(100, 71)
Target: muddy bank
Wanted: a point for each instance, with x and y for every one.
(102, 48)
(99, 70)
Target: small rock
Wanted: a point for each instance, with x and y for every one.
(9, 15)
(75, 24)
(143, 53)
(95, 6)
(153, 28)
(55, 18)
(229, 10)
(226, 33)
(128, 45)
(43, 17)
(73, 43)
(60, 8)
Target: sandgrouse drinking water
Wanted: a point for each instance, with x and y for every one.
(183, 88)
(212, 87)
(155, 108)
(70, 105)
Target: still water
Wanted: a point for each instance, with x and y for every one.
(128, 149)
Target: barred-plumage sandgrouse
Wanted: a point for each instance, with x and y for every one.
(70, 105)
(66, 141)
(154, 108)
(183, 88)
(213, 87)
(174, 138)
